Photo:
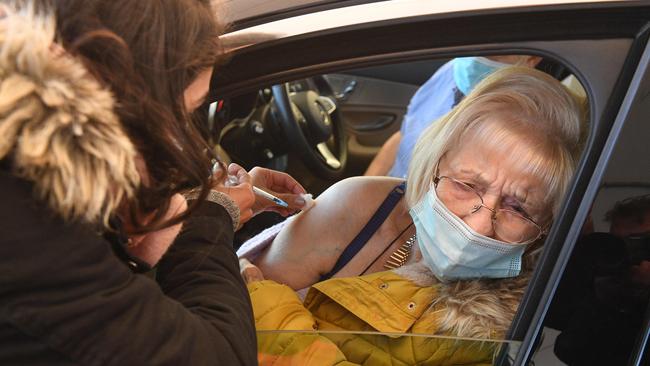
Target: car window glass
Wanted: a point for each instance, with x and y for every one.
(319, 348)
(600, 310)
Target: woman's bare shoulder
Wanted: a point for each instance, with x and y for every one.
(356, 193)
(312, 241)
(341, 206)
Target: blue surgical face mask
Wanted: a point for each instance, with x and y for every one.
(469, 71)
(453, 251)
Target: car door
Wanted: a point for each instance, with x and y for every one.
(373, 102)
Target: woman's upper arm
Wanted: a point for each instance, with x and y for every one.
(311, 242)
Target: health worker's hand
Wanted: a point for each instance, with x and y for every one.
(249, 271)
(279, 184)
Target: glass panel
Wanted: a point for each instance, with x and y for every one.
(601, 304)
(283, 348)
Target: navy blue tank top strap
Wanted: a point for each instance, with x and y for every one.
(366, 233)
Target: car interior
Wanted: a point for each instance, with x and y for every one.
(367, 107)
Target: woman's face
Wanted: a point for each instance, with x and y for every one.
(492, 172)
(196, 92)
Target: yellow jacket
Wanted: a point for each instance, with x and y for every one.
(380, 302)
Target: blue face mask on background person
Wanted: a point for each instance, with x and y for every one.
(469, 71)
(453, 251)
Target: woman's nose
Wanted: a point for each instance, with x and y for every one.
(481, 221)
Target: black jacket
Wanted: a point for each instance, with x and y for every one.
(66, 299)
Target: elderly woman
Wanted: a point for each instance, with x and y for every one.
(483, 188)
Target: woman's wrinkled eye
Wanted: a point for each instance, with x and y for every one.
(464, 186)
(516, 206)
(519, 209)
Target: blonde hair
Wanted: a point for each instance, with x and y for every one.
(533, 109)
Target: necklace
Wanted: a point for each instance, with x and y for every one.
(389, 245)
(401, 255)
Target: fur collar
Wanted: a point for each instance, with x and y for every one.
(481, 308)
(57, 123)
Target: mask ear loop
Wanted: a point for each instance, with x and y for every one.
(531, 254)
(533, 249)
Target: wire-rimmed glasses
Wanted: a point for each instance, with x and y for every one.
(509, 225)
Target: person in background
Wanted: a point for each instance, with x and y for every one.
(602, 299)
(435, 98)
(630, 221)
(630, 217)
(100, 165)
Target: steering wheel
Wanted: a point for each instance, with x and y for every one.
(313, 125)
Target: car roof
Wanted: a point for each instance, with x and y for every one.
(283, 18)
(494, 22)
(255, 21)
(246, 13)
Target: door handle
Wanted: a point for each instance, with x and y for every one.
(378, 123)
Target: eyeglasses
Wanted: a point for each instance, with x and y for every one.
(509, 225)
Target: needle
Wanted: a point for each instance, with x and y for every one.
(234, 181)
(269, 196)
